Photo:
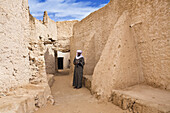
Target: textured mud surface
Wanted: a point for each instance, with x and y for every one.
(69, 100)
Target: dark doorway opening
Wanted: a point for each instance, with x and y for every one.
(60, 62)
(56, 62)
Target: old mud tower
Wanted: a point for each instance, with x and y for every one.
(125, 44)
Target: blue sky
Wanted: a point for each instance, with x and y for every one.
(60, 10)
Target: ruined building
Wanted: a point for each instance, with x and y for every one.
(126, 43)
(28, 52)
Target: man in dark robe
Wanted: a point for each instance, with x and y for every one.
(78, 70)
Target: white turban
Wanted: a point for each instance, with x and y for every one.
(81, 56)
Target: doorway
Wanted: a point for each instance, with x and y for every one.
(60, 62)
(56, 61)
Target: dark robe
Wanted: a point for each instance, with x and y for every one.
(78, 72)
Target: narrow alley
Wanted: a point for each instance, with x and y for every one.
(69, 100)
(118, 49)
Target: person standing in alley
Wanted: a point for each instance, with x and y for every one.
(78, 69)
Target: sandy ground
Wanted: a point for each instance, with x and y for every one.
(69, 100)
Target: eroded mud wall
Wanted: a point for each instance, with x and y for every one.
(91, 34)
(141, 53)
(27, 57)
(64, 33)
(129, 42)
(119, 64)
(14, 33)
(23, 43)
(44, 34)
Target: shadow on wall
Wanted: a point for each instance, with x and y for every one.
(49, 61)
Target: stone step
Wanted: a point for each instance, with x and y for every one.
(139, 98)
(142, 99)
(50, 78)
(87, 79)
(25, 100)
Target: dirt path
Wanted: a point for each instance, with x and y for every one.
(69, 100)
